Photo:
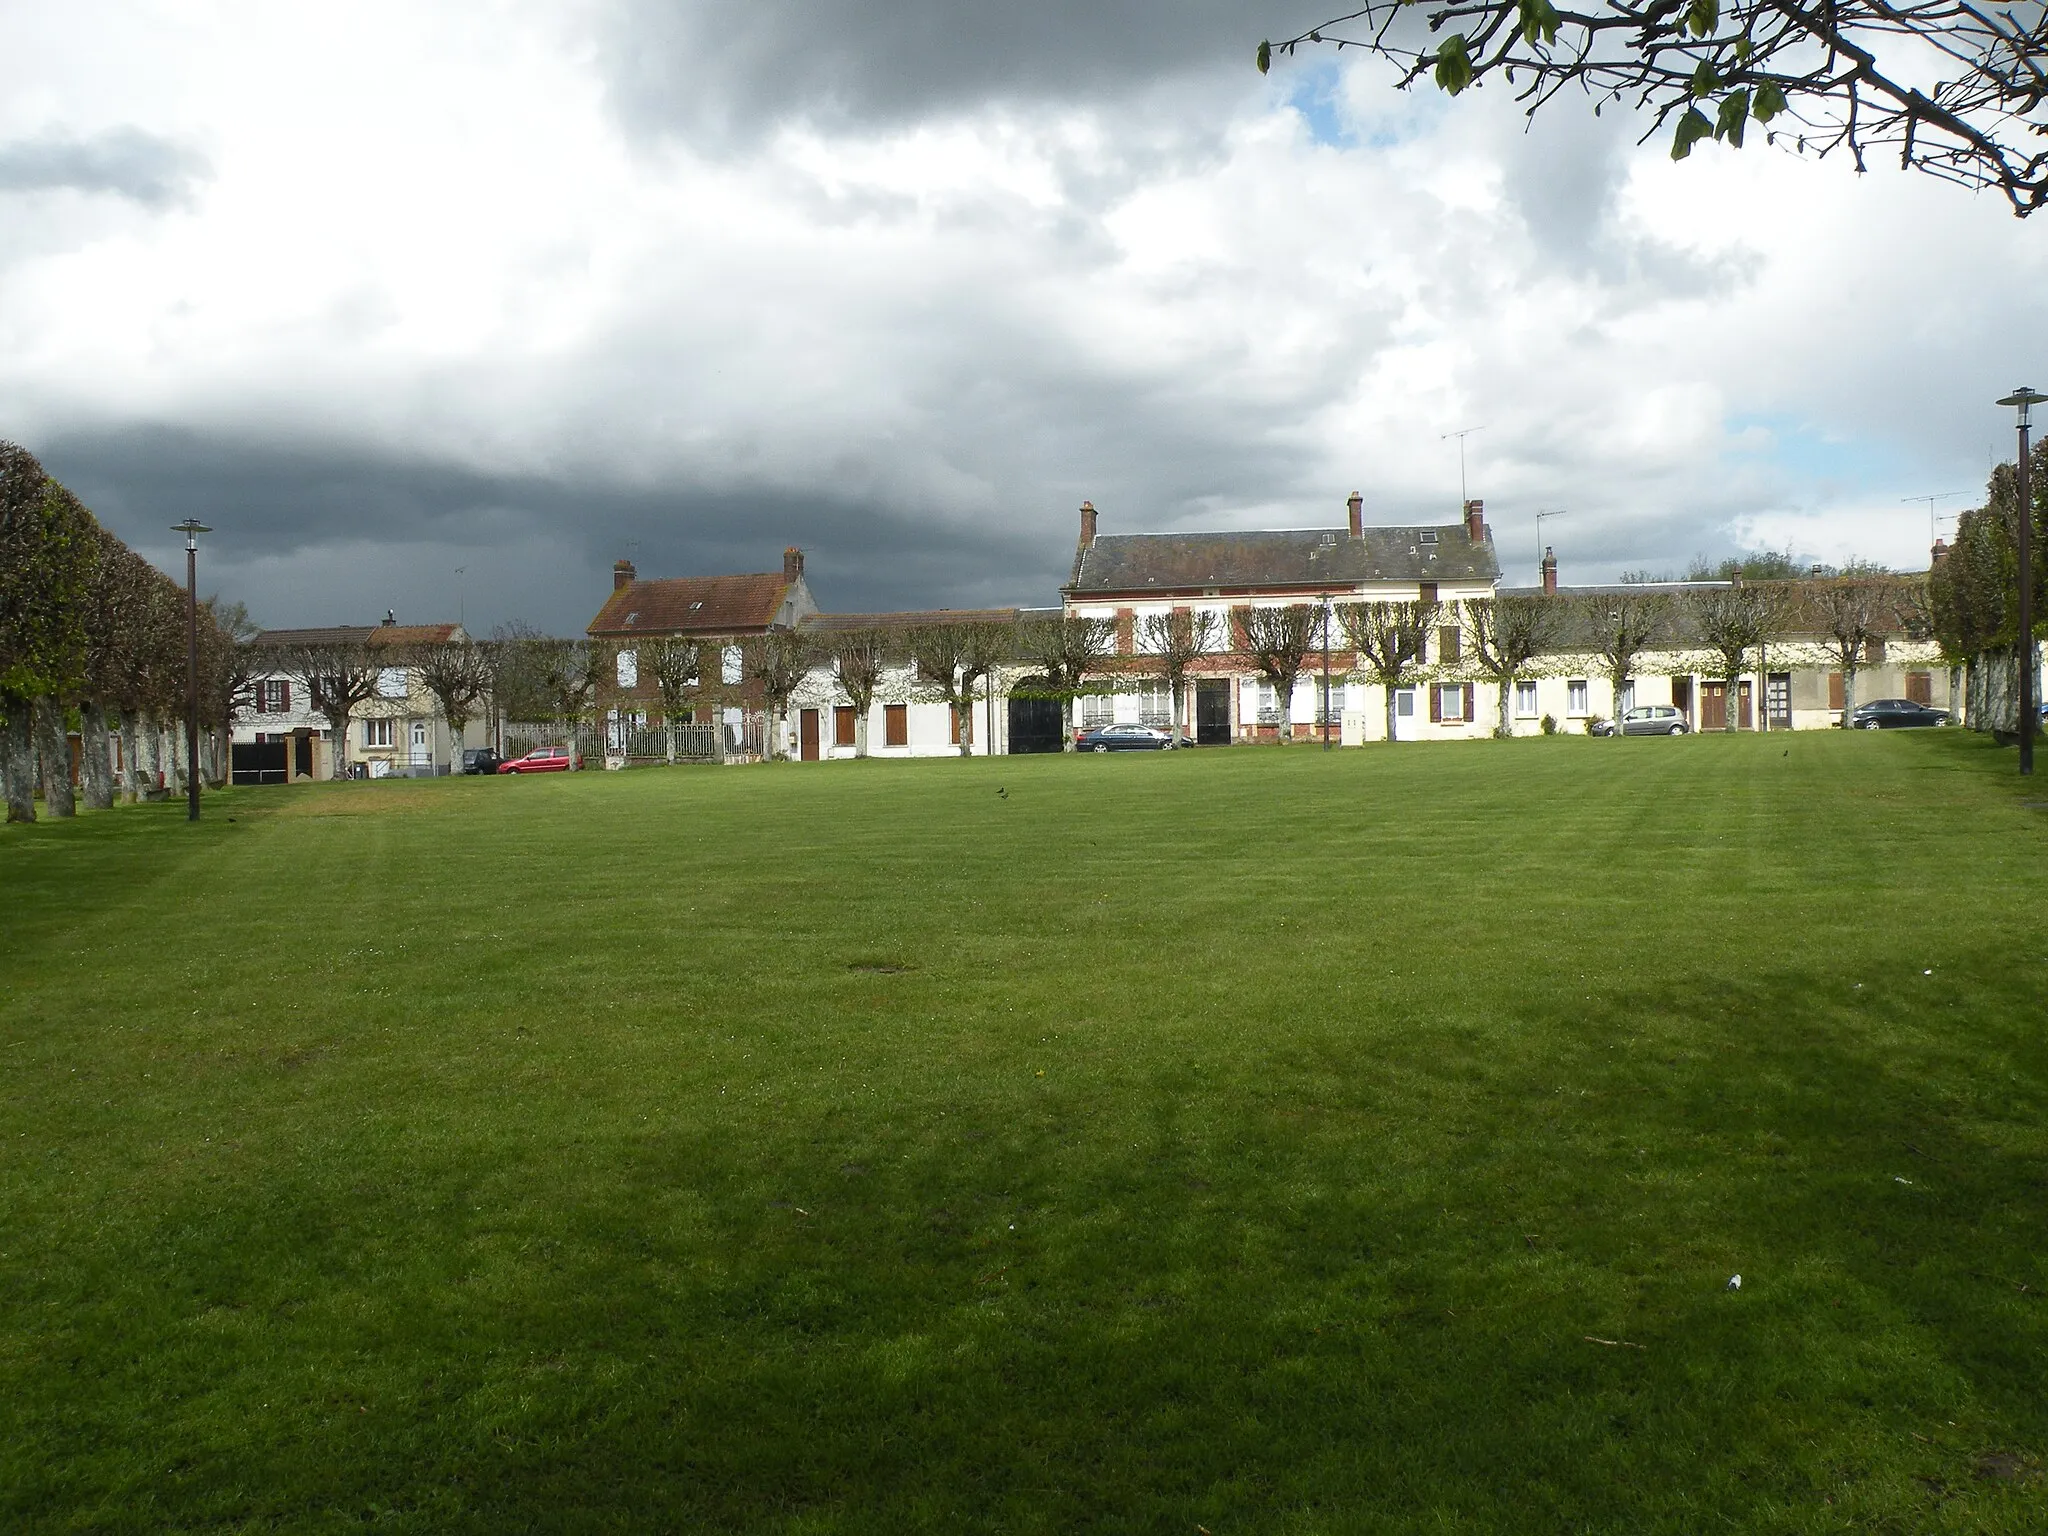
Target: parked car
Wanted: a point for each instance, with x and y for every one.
(1645, 720)
(540, 760)
(481, 760)
(1890, 714)
(1126, 738)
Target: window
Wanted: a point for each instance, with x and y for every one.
(1450, 703)
(391, 683)
(629, 669)
(376, 733)
(1575, 696)
(1097, 709)
(1428, 592)
(1873, 652)
(1525, 701)
(1332, 700)
(1155, 704)
(274, 697)
(1450, 644)
(1428, 536)
(1269, 705)
(895, 725)
(1404, 704)
(1920, 687)
(730, 664)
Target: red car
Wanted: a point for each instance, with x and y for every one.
(540, 760)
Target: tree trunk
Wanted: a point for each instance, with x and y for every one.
(963, 711)
(55, 753)
(151, 746)
(1389, 688)
(1507, 689)
(96, 766)
(337, 767)
(860, 733)
(209, 758)
(1284, 697)
(17, 761)
(1848, 691)
(1730, 717)
(131, 783)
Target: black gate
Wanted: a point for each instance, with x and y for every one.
(302, 754)
(257, 762)
(1212, 711)
(1036, 725)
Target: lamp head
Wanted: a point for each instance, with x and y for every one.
(2023, 397)
(191, 528)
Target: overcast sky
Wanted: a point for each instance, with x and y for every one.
(443, 308)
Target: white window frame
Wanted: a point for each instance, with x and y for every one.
(1577, 700)
(377, 732)
(1450, 703)
(1404, 703)
(1526, 706)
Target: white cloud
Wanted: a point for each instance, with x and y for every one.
(427, 239)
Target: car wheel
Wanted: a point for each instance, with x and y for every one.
(1866, 725)
(1679, 729)
(1100, 747)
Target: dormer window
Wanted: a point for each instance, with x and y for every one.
(1428, 535)
(1329, 539)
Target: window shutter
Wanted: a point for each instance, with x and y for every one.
(1436, 706)
(1835, 693)
(1468, 703)
(1421, 646)
(284, 697)
(955, 709)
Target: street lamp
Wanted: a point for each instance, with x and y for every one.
(2022, 398)
(191, 528)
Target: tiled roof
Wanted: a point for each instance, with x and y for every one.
(693, 605)
(1297, 557)
(361, 634)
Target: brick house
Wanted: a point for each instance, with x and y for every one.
(1124, 577)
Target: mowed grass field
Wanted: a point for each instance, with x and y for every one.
(1243, 1140)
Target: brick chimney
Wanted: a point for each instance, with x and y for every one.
(622, 574)
(792, 563)
(1940, 551)
(1475, 521)
(1087, 524)
(1549, 571)
(1356, 507)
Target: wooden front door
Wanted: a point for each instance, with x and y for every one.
(807, 735)
(1713, 706)
(1747, 719)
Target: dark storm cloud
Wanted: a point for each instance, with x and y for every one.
(737, 66)
(320, 533)
(122, 162)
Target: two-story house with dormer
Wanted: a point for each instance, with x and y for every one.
(1122, 578)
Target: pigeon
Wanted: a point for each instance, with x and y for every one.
(1001, 793)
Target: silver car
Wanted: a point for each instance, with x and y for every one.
(1647, 720)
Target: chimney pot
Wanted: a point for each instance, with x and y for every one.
(1549, 571)
(1087, 524)
(1356, 507)
(792, 563)
(622, 574)
(1475, 521)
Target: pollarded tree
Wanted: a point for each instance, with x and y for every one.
(229, 664)
(340, 676)
(1617, 626)
(1278, 641)
(1733, 621)
(1176, 641)
(1957, 90)
(777, 663)
(1853, 614)
(950, 658)
(1508, 635)
(1389, 639)
(675, 665)
(458, 673)
(1065, 648)
(859, 659)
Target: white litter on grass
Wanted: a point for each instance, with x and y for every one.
(1927, 973)
(1735, 1282)
(1897, 1180)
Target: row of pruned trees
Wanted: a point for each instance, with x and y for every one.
(1974, 592)
(93, 638)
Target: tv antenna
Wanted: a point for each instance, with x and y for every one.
(1540, 516)
(1931, 500)
(1461, 434)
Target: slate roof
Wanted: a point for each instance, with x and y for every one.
(370, 634)
(1296, 557)
(694, 605)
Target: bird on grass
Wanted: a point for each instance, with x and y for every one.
(1001, 793)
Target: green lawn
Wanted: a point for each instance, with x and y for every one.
(1249, 1140)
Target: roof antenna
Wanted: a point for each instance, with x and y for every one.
(1461, 434)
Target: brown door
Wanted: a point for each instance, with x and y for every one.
(1746, 725)
(1713, 706)
(807, 735)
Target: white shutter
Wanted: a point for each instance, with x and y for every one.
(629, 669)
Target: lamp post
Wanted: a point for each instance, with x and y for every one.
(191, 528)
(2022, 398)
(1326, 672)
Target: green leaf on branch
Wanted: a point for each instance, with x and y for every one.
(1453, 64)
(1265, 57)
(1539, 22)
(1770, 101)
(1702, 16)
(1691, 129)
(1704, 81)
(1733, 116)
